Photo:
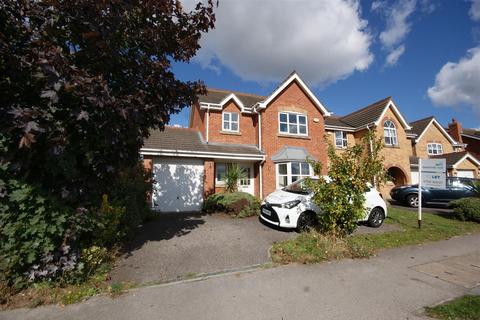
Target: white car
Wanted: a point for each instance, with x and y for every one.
(292, 207)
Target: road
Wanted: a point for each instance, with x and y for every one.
(396, 284)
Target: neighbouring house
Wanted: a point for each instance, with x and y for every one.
(271, 137)
(470, 137)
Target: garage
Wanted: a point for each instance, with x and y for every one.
(465, 174)
(178, 185)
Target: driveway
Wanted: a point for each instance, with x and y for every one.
(180, 245)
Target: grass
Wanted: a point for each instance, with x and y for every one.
(313, 247)
(463, 308)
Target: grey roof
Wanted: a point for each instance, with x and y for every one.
(419, 126)
(452, 158)
(336, 122)
(188, 139)
(292, 154)
(217, 95)
(366, 115)
(471, 132)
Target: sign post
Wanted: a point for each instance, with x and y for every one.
(432, 174)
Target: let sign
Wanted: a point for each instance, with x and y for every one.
(433, 173)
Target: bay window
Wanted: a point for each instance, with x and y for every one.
(289, 172)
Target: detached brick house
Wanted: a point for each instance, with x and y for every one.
(272, 137)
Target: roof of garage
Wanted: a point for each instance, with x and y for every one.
(189, 140)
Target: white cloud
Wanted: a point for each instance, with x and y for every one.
(378, 5)
(394, 55)
(398, 25)
(475, 10)
(428, 6)
(458, 83)
(397, 29)
(263, 41)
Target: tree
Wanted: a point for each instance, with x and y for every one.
(83, 82)
(341, 195)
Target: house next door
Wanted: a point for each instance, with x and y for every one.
(246, 185)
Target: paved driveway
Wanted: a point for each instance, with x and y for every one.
(180, 245)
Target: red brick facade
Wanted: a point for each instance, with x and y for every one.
(208, 177)
(248, 124)
(293, 98)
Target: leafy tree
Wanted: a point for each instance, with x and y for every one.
(341, 196)
(82, 83)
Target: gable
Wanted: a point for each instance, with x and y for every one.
(435, 128)
(390, 114)
(293, 79)
(394, 112)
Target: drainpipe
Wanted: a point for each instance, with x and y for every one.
(208, 118)
(259, 131)
(260, 170)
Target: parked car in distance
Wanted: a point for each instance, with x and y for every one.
(292, 207)
(456, 188)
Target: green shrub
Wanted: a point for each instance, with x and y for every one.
(108, 230)
(38, 236)
(129, 191)
(466, 209)
(237, 204)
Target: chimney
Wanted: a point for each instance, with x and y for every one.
(455, 130)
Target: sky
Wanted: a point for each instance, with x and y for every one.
(425, 54)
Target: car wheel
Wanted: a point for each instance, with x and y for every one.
(412, 200)
(376, 217)
(306, 221)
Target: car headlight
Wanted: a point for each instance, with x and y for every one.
(290, 204)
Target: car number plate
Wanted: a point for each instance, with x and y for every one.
(266, 212)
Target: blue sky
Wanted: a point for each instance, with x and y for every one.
(350, 53)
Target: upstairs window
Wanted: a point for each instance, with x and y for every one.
(341, 139)
(390, 133)
(434, 148)
(292, 123)
(230, 122)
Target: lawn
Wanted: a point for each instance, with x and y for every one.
(463, 308)
(313, 247)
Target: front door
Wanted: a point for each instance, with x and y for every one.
(246, 185)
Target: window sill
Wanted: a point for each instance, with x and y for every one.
(233, 133)
(292, 136)
(392, 147)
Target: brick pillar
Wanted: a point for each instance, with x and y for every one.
(455, 130)
(208, 178)
(148, 166)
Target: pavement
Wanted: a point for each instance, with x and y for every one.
(179, 245)
(396, 284)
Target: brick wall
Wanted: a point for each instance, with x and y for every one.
(291, 99)
(248, 132)
(197, 119)
(432, 135)
(331, 139)
(208, 177)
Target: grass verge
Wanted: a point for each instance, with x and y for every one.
(312, 247)
(463, 308)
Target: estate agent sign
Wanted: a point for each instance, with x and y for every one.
(432, 174)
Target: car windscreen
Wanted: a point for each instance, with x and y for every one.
(299, 186)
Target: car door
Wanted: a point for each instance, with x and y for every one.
(441, 194)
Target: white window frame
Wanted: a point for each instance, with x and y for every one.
(217, 181)
(390, 132)
(289, 174)
(297, 115)
(434, 148)
(343, 139)
(230, 121)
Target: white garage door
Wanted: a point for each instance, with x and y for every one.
(465, 173)
(178, 184)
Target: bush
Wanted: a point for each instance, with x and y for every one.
(237, 204)
(38, 236)
(108, 229)
(466, 209)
